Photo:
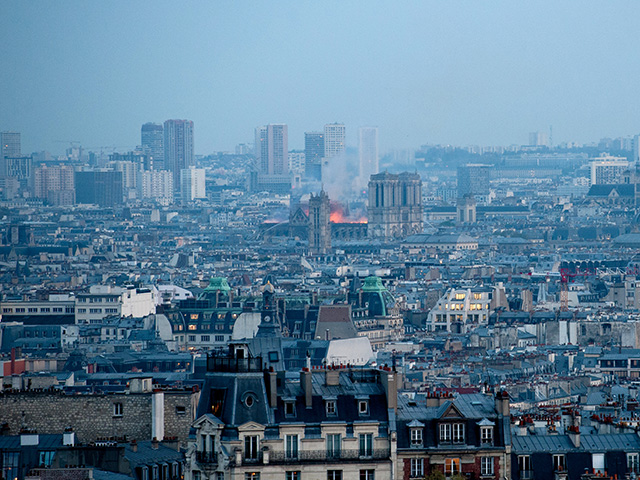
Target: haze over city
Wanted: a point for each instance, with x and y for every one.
(456, 73)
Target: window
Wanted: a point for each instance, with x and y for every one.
(451, 466)
(205, 338)
(174, 469)
(458, 433)
(417, 467)
(558, 462)
(46, 458)
(291, 446)
(334, 474)
(460, 296)
(416, 437)
(367, 475)
(363, 407)
(486, 435)
(251, 447)
(117, 409)
(192, 338)
(445, 432)
(292, 476)
(252, 476)
(44, 310)
(181, 409)
(154, 473)
(524, 465)
(273, 357)
(486, 466)
(331, 408)
(82, 310)
(33, 310)
(219, 338)
(220, 476)
(333, 445)
(632, 462)
(193, 327)
(289, 409)
(366, 444)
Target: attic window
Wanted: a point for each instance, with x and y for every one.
(273, 357)
(363, 407)
(289, 408)
(332, 411)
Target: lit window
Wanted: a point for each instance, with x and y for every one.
(451, 466)
(193, 327)
(460, 296)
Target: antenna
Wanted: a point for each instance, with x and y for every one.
(550, 136)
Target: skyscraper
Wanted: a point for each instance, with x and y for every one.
(192, 184)
(314, 152)
(272, 149)
(334, 135)
(11, 145)
(152, 142)
(368, 149)
(178, 147)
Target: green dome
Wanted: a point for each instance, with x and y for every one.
(218, 284)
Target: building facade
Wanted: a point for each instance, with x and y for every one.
(319, 225)
(152, 142)
(395, 205)
(313, 153)
(178, 147)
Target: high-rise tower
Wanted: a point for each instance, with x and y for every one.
(313, 154)
(178, 147)
(334, 136)
(368, 149)
(152, 142)
(10, 143)
(272, 149)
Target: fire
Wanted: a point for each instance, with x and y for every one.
(338, 215)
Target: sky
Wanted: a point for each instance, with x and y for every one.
(424, 72)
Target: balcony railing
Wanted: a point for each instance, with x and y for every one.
(206, 457)
(233, 364)
(323, 456)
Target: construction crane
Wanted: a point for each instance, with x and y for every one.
(565, 275)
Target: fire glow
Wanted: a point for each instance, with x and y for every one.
(338, 215)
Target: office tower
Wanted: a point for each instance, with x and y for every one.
(55, 184)
(608, 170)
(192, 184)
(473, 179)
(156, 185)
(272, 149)
(334, 135)
(395, 205)
(368, 149)
(297, 163)
(538, 139)
(102, 188)
(141, 160)
(313, 152)
(178, 147)
(319, 225)
(272, 159)
(11, 145)
(152, 142)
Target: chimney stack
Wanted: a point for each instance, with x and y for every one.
(306, 385)
(502, 403)
(271, 382)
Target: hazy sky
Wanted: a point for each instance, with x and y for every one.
(459, 72)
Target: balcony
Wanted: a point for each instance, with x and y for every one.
(526, 475)
(206, 458)
(322, 456)
(217, 363)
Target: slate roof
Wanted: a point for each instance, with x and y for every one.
(593, 443)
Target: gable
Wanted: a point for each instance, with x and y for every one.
(449, 410)
(251, 427)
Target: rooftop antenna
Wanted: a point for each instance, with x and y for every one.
(550, 135)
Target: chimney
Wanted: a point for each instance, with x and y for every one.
(574, 435)
(502, 403)
(331, 377)
(134, 446)
(13, 360)
(271, 383)
(390, 385)
(68, 437)
(305, 384)
(154, 443)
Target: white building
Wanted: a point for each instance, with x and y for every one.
(192, 184)
(334, 139)
(460, 310)
(368, 150)
(296, 163)
(608, 170)
(156, 185)
(106, 301)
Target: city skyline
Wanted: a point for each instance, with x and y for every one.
(423, 72)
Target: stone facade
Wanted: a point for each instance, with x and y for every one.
(99, 416)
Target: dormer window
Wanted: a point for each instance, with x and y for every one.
(416, 437)
(363, 405)
(331, 407)
(415, 433)
(289, 408)
(486, 431)
(452, 433)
